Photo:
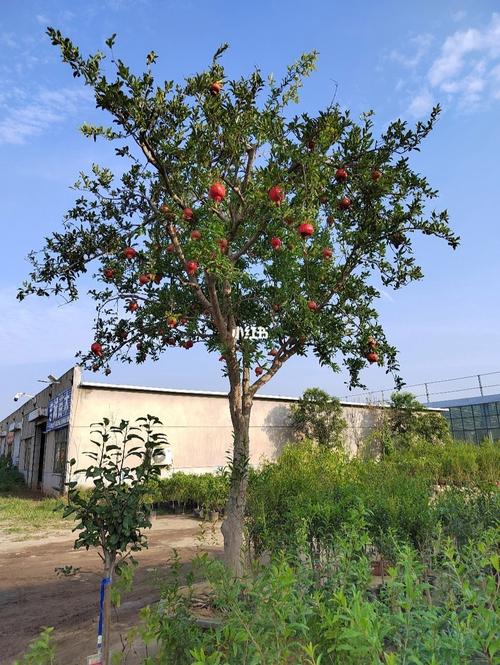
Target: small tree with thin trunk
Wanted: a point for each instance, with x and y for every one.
(231, 213)
(113, 513)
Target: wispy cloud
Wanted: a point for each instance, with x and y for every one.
(42, 19)
(465, 70)
(417, 49)
(421, 104)
(22, 121)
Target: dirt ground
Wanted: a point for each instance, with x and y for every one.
(33, 596)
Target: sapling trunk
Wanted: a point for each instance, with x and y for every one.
(109, 566)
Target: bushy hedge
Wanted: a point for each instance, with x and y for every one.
(301, 501)
(188, 490)
(307, 495)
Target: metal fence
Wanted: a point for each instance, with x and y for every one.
(436, 391)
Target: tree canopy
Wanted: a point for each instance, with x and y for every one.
(232, 212)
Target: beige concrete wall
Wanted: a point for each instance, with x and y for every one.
(198, 427)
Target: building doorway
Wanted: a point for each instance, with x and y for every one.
(40, 460)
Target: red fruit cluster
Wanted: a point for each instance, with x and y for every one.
(191, 267)
(129, 253)
(276, 195)
(327, 253)
(144, 279)
(216, 87)
(345, 203)
(372, 357)
(258, 371)
(188, 344)
(195, 235)
(133, 306)
(306, 230)
(188, 214)
(376, 175)
(217, 192)
(109, 273)
(96, 349)
(223, 243)
(170, 248)
(341, 175)
(312, 305)
(276, 243)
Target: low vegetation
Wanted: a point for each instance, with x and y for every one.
(388, 558)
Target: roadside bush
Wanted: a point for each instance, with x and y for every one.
(298, 503)
(454, 463)
(11, 478)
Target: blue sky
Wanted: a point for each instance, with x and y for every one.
(397, 58)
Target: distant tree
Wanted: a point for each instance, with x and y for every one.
(407, 417)
(232, 213)
(403, 423)
(318, 416)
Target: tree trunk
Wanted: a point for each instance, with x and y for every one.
(240, 405)
(109, 567)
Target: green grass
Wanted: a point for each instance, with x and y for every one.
(24, 514)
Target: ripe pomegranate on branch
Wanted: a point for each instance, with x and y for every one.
(295, 226)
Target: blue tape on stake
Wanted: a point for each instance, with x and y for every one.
(104, 583)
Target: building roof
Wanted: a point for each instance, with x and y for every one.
(209, 393)
(467, 401)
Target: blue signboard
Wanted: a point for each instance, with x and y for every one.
(58, 410)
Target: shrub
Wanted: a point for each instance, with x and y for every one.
(286, 614)
(318, 416)
(11, 478)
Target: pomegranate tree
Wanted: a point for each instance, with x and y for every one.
(324, 190)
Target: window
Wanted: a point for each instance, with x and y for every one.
(27, 454)
(60, 444)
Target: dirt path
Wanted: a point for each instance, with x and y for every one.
(32, 596)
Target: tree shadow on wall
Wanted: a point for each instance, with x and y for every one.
(278, 428)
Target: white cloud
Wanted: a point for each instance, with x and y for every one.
(48, 107)
(466, 60)
(43, 20)
(8, 39)
(39, 330)
(418, 47)
(421, 104)
(465, 72)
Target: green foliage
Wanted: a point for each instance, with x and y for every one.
(40, 651)
(113, 513)
(318, 416)
(300, 502)
(404, 424)
(176, 140)
(441, 610)
(11, 479)
(208, 491)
